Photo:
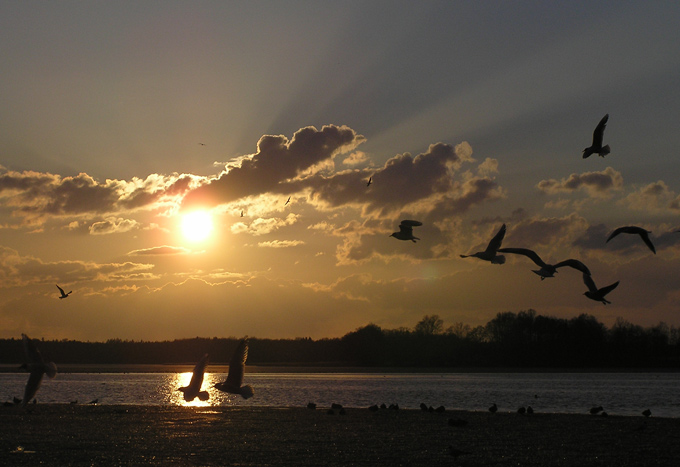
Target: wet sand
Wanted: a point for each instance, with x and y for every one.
(214, 436)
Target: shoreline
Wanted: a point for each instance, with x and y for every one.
(59, 434)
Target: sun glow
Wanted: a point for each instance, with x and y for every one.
(197, 226)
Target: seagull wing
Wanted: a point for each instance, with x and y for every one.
(590, 283)
(199, 371)
(616, 232)
(61, 290)
(237, 364)
(532, 255)
(574, 263)
(406, 226)
(496, 241)
(34, 380)
(605, 290)
(648, 242)
(32, 353)
(598, 134)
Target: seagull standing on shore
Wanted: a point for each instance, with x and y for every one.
(193, 391)
(37, 367)
(491, 252)
(598, 135)
(631, 229)
(406, 230)
(596, 294)
(64, 295)
(547, 270)
(237, 367)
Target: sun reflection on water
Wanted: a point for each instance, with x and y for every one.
(176, 397)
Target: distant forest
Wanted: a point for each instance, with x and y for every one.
(510, 340)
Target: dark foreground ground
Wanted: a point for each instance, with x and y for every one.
(135, 435)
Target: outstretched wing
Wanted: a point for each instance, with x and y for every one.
(616, 232)
(648, 242)
(237, 364)
(199, 371)
(598, 134)
(532, 255)
(496, 241)
(605, 290)
(31, 351)
(589, 282)
(574, 263)
(61, 290)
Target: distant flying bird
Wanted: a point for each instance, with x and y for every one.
(193, 391)
(491, 252)
(64, 295)
(631, 229)
(596, 294)
(370, 180)
(201, 144)
(37, 367)
(287, 201)
(406, 230)
(596, 147)
(547, 270)
(237, 367)
(241, 213)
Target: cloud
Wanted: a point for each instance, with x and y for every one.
(261, 226)
(160, 251)
(277, 159)
(113, 225)
(655, 197)
(280, 244)
(18, 270)
(596, 184)
(34, 197)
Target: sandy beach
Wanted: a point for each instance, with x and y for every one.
(211, 436)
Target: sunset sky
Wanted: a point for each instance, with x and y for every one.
(119, 120)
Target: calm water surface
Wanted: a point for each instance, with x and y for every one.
(618, 393)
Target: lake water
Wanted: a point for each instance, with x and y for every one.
(618, 393)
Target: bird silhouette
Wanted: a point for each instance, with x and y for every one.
(547, 270)
(241, 213)
(37, 367)
(287, 201)
(596, 294)
(598, 134)
(595, 410)
(406, 230)
(493, 408)
(237, 367)
(64, 295)
(647, 413)
(193, 391)
(370, 180)
(491, 252)
(631, 229)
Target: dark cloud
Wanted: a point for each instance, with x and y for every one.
(277, 160)
(546, 231)
(595, 183)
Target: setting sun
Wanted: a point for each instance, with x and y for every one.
(197, 226)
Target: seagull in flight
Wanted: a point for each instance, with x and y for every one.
(193, 391)
(491, 252)
(596, 294)
(547, 270)
(64, 295)
(287, 201)
(598, 134)
(37, 367)
(370, 180)
(631, 229)
(406, 230)
(237, 367)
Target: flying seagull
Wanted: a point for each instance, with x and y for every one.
(406, 230)
(547, 270)
(370, 180)
(287, 201)
(237, 366)
(491, 252)
(631, 229)
(37, 367)
(193, 391)
(241, 213)
(64, 295)
(596, 294)
(596, 147)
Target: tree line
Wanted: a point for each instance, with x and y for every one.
(510, 340)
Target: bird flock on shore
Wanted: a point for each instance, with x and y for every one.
(38, 367)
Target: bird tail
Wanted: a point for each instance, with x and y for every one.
(203, 395)
(605, 150)
(51, 370)
(247, 391)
